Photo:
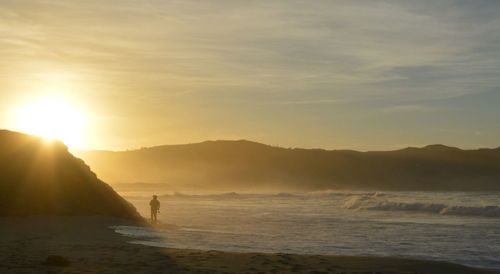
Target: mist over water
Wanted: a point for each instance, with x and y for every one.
(450, 226)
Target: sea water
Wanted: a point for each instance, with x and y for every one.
(448, 226)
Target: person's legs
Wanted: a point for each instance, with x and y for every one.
(154, 216)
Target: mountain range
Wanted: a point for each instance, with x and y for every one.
(249, 166)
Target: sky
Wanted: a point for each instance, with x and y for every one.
(353, 74)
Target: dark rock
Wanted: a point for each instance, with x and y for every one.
(43, 178)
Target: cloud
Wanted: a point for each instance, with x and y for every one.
(165, 57)
(408, 108)
(373, 47)
(307, 102)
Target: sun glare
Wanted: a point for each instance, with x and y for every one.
(53, 119)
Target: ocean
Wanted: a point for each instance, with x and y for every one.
(460, 227)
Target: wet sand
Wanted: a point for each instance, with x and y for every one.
(89, 245)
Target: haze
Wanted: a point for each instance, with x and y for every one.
(250, 136)
(334, 74)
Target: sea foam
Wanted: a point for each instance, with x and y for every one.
(374, 202)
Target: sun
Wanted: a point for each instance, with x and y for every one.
(53, 119)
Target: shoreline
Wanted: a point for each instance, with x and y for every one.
(91, 246)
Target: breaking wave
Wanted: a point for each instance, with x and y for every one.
(374, 202)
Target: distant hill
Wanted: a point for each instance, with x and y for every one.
(245, 165)
(41, 178)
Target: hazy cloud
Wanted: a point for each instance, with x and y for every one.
(179, 55)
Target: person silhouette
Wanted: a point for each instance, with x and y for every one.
(155, 209)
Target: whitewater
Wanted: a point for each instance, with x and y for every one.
(460, 227)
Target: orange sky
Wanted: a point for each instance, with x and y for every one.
(335, 74)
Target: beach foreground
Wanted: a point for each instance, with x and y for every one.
(89, 245)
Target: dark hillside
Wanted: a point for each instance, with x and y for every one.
(244, 165)
(41, 178)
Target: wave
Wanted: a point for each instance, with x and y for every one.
(227, 195)
(373, 202)
(342, 193)
(231, 195)
(137, 232)
(284, 195)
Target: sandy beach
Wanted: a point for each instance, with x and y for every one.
(89, 245)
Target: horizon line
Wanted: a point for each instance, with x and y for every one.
(250, 141)
(284, 147)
